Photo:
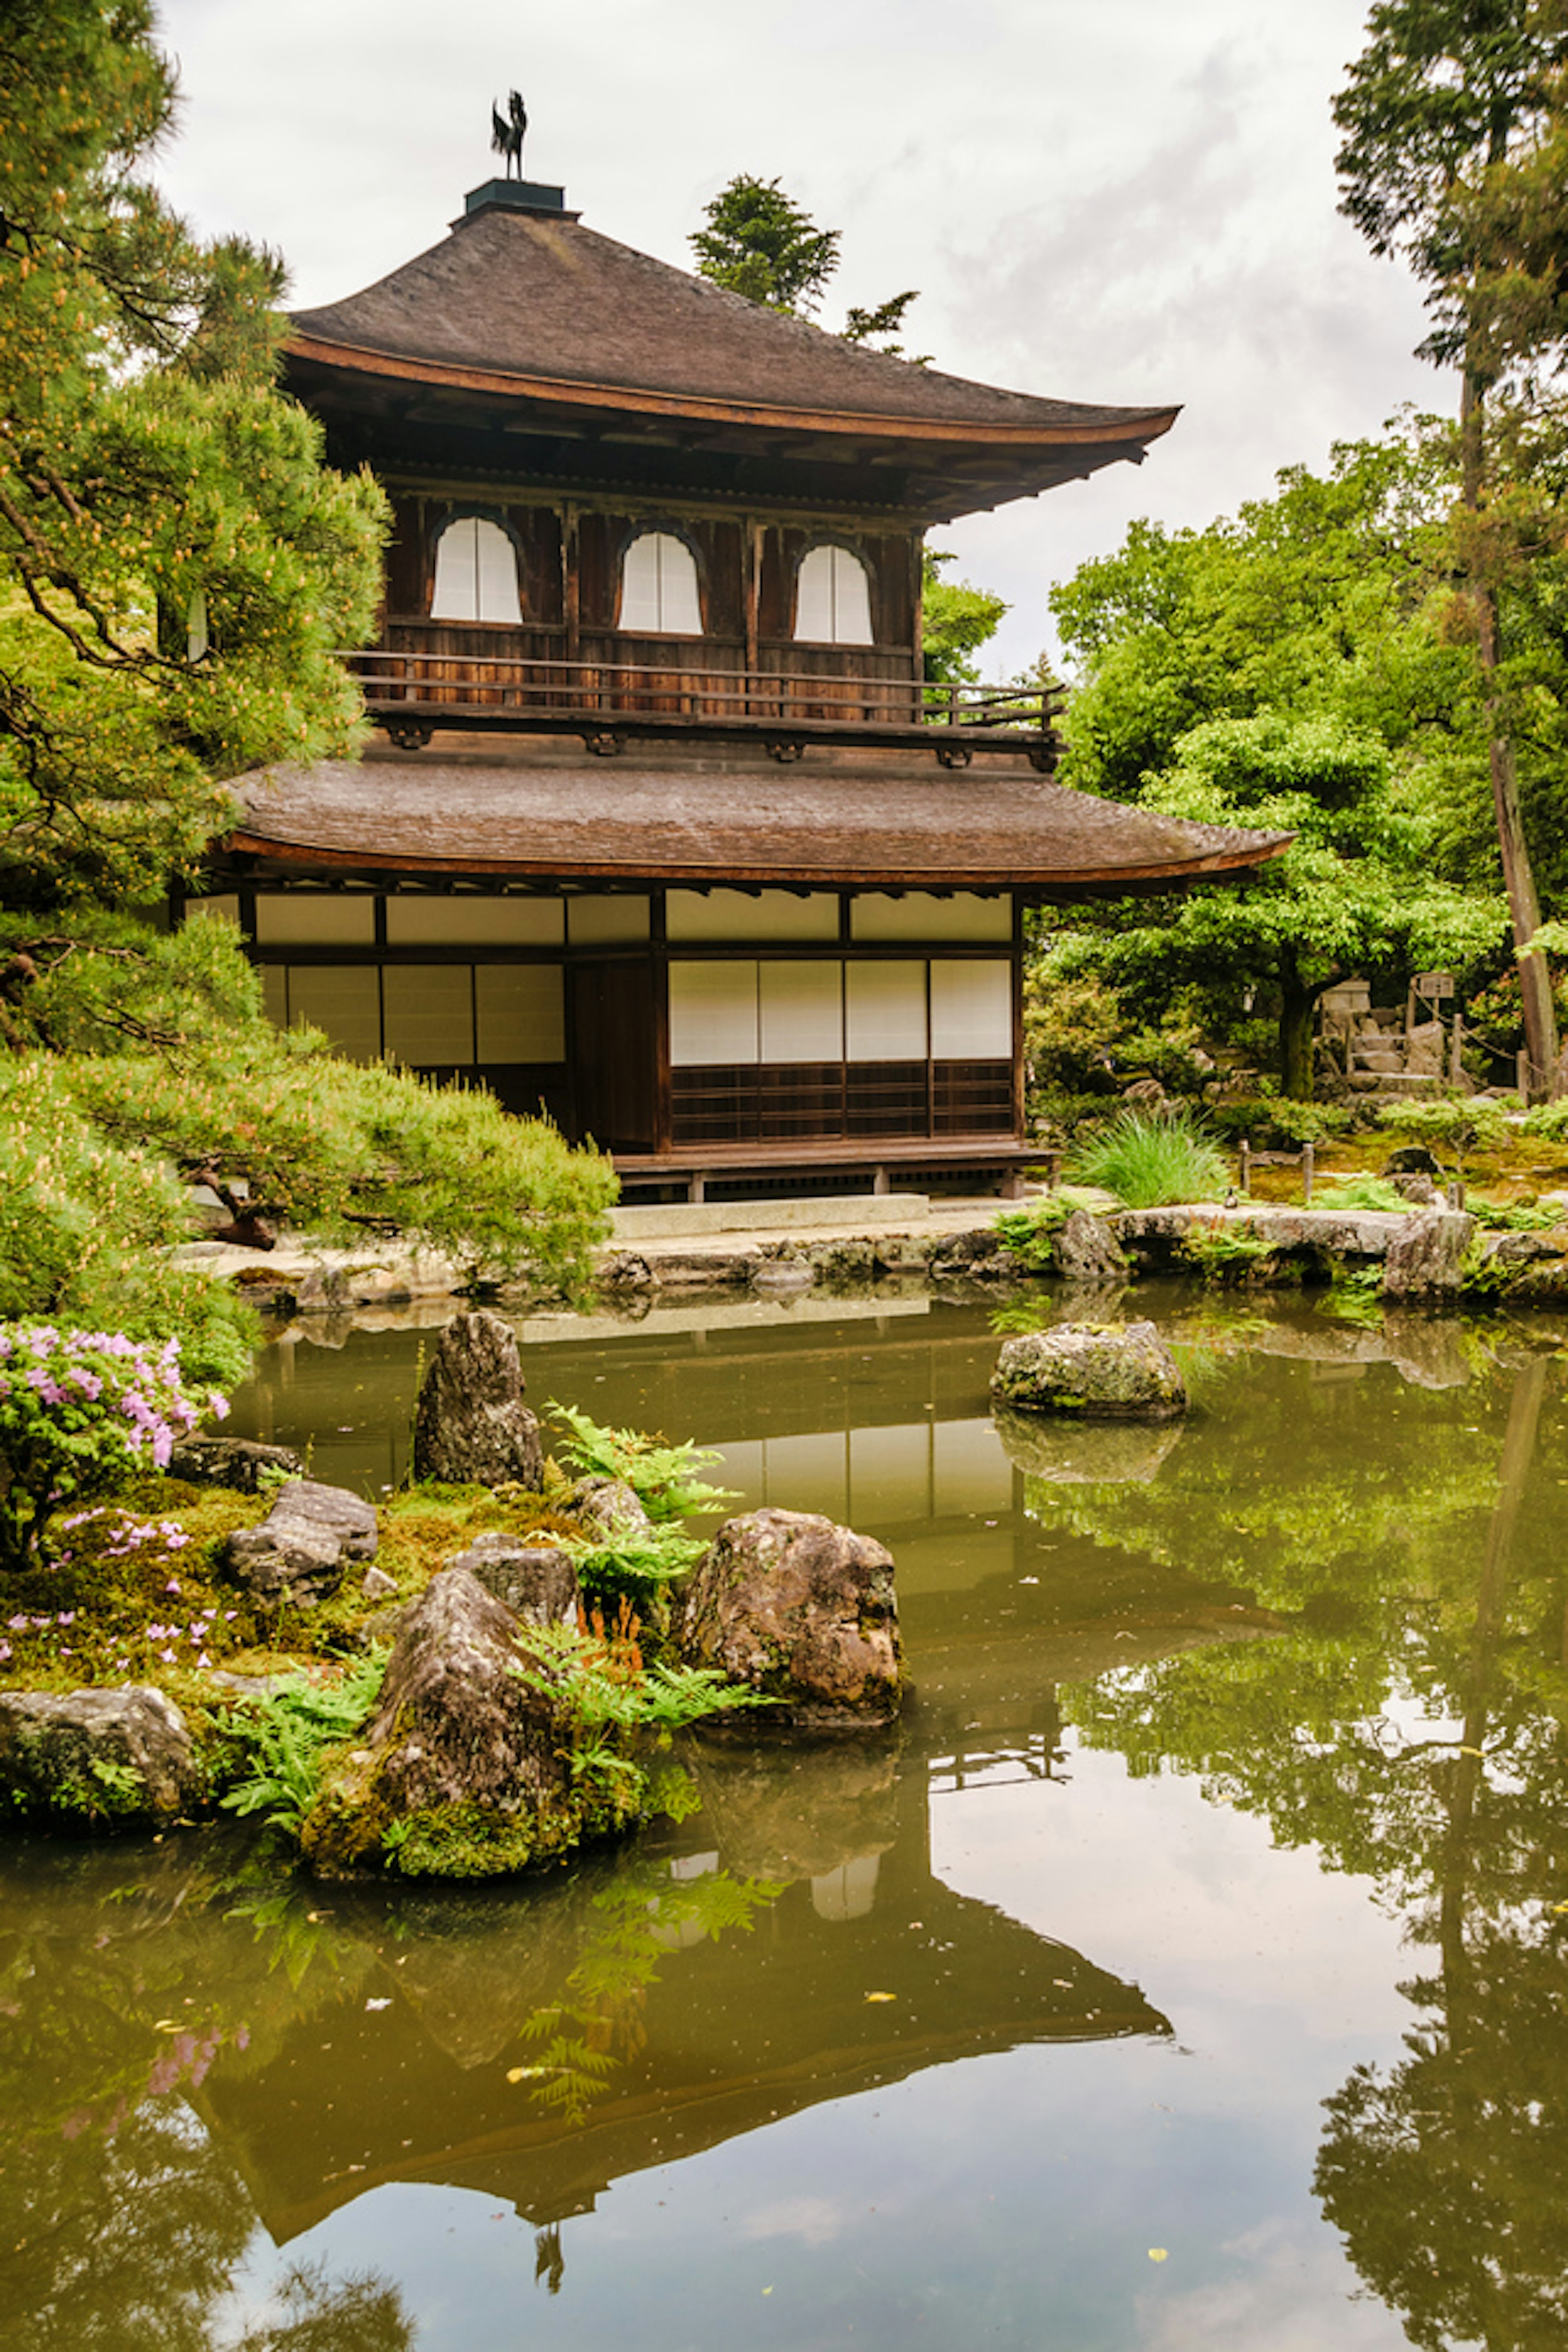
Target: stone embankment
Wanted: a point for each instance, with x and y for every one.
(1424, 1253)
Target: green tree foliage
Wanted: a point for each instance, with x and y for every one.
(1353, 889)
(1453, 129)
(1287, 672)
(176, 568)
(178, 565)
(759, 243)
(147, 1065)
(957, 621)
(1315, 603)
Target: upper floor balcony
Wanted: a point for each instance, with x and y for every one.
(427, 674)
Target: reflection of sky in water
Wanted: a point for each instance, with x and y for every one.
(1013, 2199)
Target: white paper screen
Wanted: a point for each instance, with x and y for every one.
(713, 1013)
(802, 1012)
(971, 1011)
(658, 586)
(833, 598)
(919, 915)
(738, 914)
(886, 1012)
(429, 1013)
(476, 573)
(306, 919)
(343, 999)
(417, 922)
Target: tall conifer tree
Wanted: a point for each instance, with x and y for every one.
(1447, 97)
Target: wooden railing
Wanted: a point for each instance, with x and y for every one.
(439, 684)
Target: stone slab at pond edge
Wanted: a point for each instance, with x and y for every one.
(1116, 1372)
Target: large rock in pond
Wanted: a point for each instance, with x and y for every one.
(1086, 1252)
(801, 1611)
(472, 1427)
(302, 1550)
(536, 1581)
(466, 1769)
(1427, 1258)
(103, 1759)
(1120, 1371)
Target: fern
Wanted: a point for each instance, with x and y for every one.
(661, 1476)
(287, 1732)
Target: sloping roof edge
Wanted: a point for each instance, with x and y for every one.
(1142, 426)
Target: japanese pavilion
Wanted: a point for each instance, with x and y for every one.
(665, 833)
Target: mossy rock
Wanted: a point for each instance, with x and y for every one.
(1110, 1372)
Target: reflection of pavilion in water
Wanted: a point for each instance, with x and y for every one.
(867, 1968)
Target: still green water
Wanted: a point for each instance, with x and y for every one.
(1189, 1971)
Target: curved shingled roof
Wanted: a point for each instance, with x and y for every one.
(532, 302)
(888, 823)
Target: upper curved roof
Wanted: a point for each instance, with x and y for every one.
(531, 302)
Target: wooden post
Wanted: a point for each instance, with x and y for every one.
(569, 580)
(754, 589)
(1245, 1171)
(1456, 1064)
(1307, 1162)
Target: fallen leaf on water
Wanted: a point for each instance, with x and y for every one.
(882, 1996)
(1158, 2254)
(525, 2073)
(1474, 1752)
(168, 2025)
(384, 2002)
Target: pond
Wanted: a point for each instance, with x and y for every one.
(1190, 1969)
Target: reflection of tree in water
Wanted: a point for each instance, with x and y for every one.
(145, 2229)
(120, 2222)
(1411, 1722)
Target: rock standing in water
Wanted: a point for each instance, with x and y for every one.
(1114, 1370)
(802, 1610)
(472, 1427)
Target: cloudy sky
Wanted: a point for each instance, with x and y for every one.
(1131, 202)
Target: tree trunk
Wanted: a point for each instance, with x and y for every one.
(1519, 878)
(1296, 1003)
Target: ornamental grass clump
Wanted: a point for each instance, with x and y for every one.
(1152, 1159)
(81, 1413)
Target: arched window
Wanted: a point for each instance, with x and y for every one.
(658, 586)
(476, 573)
(833, 598)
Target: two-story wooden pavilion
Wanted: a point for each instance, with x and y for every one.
(667, 835)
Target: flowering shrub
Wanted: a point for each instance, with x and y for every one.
(79, 1410)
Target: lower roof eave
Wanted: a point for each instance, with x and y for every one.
(301, 858)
